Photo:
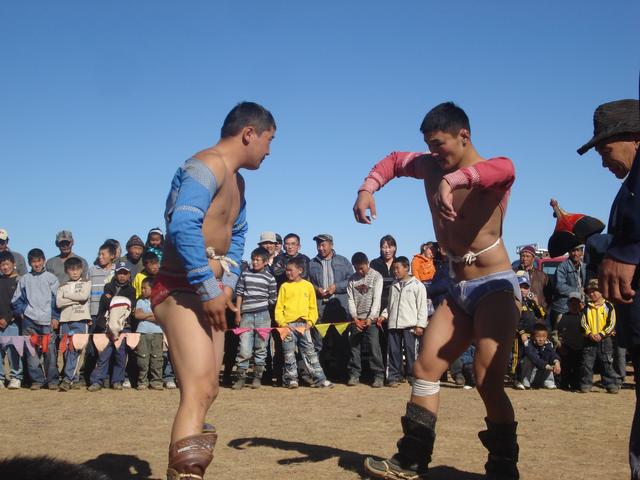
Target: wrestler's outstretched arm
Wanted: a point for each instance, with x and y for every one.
(396, 164)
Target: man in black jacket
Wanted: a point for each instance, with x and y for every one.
(617, 140)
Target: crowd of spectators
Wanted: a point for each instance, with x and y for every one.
(566, 328)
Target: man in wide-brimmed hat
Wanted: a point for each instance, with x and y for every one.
(616, 138)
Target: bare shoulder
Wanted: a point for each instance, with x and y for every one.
(214, 161)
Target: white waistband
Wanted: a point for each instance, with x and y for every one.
(469, 258)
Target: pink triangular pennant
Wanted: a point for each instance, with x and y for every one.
(18, 342)
(341, 327)
(101, 341)
(27, 343)
(322, 328)
(239, 331)
(283, 331)
(6, 340)
(301, 330)
(263, 332)
(80, 340)
(132, 340)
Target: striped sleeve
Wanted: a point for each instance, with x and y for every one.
(197, 188)
(610, 324)
(396, 164)
(497, 173)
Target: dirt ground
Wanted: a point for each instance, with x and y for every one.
(320, 434)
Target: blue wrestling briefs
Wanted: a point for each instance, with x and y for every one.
(467, 294)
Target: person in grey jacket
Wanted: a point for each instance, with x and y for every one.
(35, 300)
(406, 318)
(329, 274)
(571, 276)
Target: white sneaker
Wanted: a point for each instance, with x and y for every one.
(170, 385)
(15, 384)
(126, 383)
(519, 386)
(467, 387)
(550, 386)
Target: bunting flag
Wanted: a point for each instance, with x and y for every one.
(283, 331)
(41, 341)
(132, 339)
(66, 343)
(263, 332)
(80, 340)
(100, 341)
(341, 327)
(322, 328)
(240, 331)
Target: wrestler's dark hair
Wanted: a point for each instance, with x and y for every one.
(262, 253)
(540, 327)
(247, 114)
(107, 245)
(291, 235)
(149, 256)
(359, 258)
(7, 256)
(73, 262)
(298, 261)
(389, 240)
(446, 117)
(402, 260)
(35, 254)
(147, 281)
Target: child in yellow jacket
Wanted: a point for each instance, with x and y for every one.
(598, 322)
(297, 310)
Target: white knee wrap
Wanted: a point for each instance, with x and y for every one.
(424, 388)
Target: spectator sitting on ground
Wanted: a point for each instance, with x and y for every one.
(541, 361)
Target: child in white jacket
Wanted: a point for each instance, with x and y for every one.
(406, 317)
(73, 300)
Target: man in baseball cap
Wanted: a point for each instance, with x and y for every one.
(616, 138)
(55, 265)
(21, 265)
(268, 241)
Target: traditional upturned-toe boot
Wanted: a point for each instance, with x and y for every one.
(189, 457)
(501, 441)
(414, 448)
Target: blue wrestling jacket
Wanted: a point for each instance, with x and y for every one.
(192, 190)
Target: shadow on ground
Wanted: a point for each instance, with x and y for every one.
(121, 467)
(347, 459)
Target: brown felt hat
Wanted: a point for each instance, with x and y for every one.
(613, 118)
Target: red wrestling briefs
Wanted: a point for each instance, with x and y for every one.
(167, 282)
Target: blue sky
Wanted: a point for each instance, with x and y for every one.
(102, 101)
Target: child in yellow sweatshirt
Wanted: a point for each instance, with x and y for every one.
(297, 310)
